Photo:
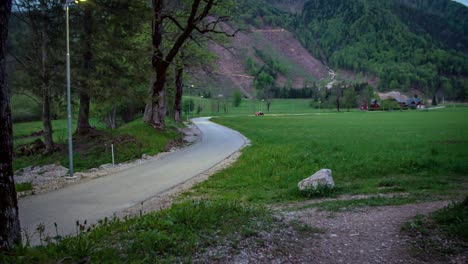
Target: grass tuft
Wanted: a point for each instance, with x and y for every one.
(441, 234)
(22, 187)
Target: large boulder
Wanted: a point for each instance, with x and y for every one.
(322, 178)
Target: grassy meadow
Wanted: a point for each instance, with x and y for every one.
(423, 153)
(249, 107)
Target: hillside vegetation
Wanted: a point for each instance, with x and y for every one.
(408, 44)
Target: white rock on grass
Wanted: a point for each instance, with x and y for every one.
(322, 177)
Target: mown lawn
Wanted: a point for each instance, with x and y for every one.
(423, 153)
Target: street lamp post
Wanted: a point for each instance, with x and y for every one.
(189, 105)
(202, 104)
(68, 3)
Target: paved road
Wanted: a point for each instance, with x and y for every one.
(96, 199)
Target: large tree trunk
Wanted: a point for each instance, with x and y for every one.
(155, 112)
(10, 233)
(46, 121)
(179, 74)
(83, 126)
(46, 118)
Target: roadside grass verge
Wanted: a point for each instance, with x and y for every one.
(173, 235)
(130, 142)
(441, 234)
(421, 153)
(22, 187)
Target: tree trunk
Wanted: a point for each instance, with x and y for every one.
(338, 104)
(46, 118)
(83, 126)
(179, 74)
(111, 119)
(155, 113)
(46, 121)
(10, 233)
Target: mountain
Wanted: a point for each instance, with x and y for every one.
(263, 44)
(408, 44)
(393, 44)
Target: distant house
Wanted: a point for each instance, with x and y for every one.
(403, 103)
(374, 105)
(414, 102)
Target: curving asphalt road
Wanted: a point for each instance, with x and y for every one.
(96, 199)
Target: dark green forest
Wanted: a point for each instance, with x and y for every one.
(408, 44)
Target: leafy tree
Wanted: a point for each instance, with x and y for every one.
(188, 17)
(390, 104)
(10, 233)
(192, 55)
(349, 98)
(264, 84)
(434, 100)
(114, 44)
(236, 99)
(188, 106)
(35, 52)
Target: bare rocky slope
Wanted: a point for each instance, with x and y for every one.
(230, 73)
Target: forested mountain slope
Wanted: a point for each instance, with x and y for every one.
(406, 44)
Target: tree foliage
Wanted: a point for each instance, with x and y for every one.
(236, 99)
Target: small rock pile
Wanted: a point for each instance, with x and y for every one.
(43, 178)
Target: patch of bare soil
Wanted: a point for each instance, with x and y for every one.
(232, 56)
(365, 235)
(284, 41)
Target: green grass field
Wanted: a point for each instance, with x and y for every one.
(249, 107)
(423, 153)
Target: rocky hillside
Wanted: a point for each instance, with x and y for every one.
(240, 60)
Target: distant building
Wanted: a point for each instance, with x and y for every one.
(414, 102)
(374, 105)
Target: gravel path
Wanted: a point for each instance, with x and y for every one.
(368, 235)
(365, 235)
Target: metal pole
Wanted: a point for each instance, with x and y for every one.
(113, 160)
(188, 106)
(70, 142)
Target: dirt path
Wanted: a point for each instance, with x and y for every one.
(369, 235)
(366, 235)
